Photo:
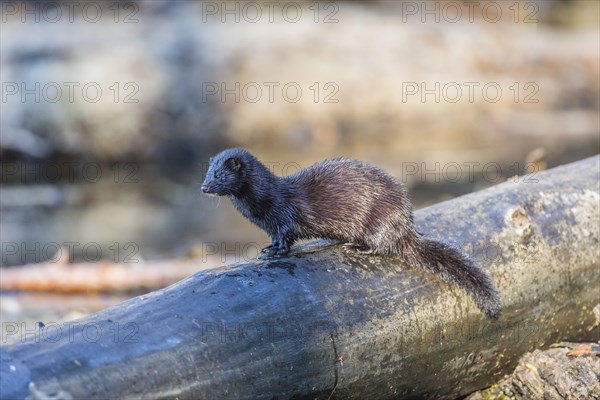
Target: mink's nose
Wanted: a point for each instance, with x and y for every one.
(204, 189)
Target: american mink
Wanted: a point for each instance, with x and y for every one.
(345, 200)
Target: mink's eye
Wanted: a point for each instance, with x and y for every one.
(216, 175)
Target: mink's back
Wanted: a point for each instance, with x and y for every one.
(350, 200)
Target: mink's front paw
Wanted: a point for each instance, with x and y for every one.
(269, 251)
(283, 248)
(277, 248)
(273, 252)
(282, 251)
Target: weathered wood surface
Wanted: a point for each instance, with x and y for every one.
(565, 371)
(323, 322)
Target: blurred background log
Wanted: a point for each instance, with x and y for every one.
(322, 323)
(59, 277)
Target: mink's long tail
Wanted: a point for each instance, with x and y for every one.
(452, 266)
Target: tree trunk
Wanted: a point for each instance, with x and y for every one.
(324, 323)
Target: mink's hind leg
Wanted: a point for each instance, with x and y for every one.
(357, 248)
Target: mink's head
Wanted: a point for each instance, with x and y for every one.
(227, 172)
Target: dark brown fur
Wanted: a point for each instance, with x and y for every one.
(345, 200)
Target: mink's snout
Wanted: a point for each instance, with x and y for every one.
(208, 189)
(207, 186)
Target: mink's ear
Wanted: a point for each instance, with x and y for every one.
(233, 163)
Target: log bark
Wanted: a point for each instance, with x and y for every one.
(565, 371)
(324, 323)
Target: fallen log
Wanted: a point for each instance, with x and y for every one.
(565, 371)
(323, 323)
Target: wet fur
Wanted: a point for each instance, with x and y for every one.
(345, 200)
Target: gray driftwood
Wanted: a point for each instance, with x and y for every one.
(323, 323)
(565, 371)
